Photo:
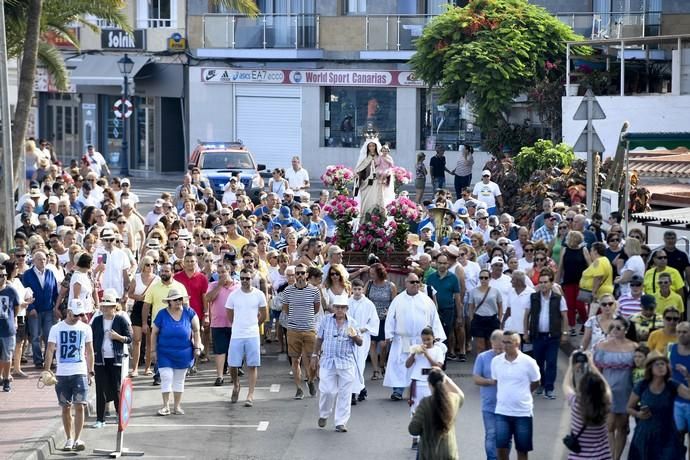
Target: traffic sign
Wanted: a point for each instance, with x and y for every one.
(125, 403)
(122, 107)
(597, 111)
(581, 144)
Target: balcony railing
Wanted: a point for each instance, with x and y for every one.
(613, 25)
(264, 31)
(394, 33)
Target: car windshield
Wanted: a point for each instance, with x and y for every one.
(226, 160)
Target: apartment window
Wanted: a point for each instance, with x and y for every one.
(348, 111)
(156, 14)
(356, 6)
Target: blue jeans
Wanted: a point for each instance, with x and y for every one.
(545, 353)
(39, 325)
(490, 434)
(437, 183)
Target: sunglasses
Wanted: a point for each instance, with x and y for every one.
(661, 257)
(663, 283)
(529, 250)
(148, 265)
(606, 304)
(539, 259)
(503, 244)
(569, 219)
(300, 273)
(173, 239)
(245, 278)
(20, 255)
(672, 318)
(614, 241)
(414, 282)
(618, 328)
(122, 222)
(80, 315)
(483, 277)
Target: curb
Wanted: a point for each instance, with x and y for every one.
(47, 443)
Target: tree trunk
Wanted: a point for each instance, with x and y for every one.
(27, 75)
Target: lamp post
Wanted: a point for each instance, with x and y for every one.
(125, 65)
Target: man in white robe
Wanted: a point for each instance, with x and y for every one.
(409, 313)
(363, 311)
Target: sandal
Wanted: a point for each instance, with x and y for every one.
(235, 395)
(249, 403)
(133, 374)
(163, 411)
(178, 411)
(148, 372)
(375, 376)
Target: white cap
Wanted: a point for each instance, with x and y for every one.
(77, 306)
(428, 226)
(341, 299)
(289, 191)
(159, 203)
(485, 172)
(497, 261)
(53, 200)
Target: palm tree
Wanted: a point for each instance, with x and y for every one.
(27, 20)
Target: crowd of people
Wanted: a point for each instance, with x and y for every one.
(95, 276)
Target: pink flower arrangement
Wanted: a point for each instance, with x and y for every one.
(338, 176)
(342, 208)
(373, 234)
(402, 209)
(402, 175)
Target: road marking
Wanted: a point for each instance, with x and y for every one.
(275, 388)
(262, 426)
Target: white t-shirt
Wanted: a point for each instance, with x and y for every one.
(245, 324)
(70, 347)
(86, 292)
(116, 261)
(513, 394)
(518, 303)
(634, 264)
(296, 178)
(544, 312)
(437, 353)
(96, 162)
(504, 285)
(487, 192)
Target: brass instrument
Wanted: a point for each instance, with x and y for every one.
(438, 217)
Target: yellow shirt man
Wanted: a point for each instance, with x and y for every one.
(673, 300)
(651, 279)
(159, 291)
(659, 341)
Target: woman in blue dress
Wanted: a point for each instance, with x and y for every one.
(176, 340)
(651, 403)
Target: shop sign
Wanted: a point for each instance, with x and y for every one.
(45, 83)
(176, 42)
(118, 39)
(409, 79)
(221, 75)
(341, 77)
(52, 38)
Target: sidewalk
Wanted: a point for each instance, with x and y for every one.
(30, 419)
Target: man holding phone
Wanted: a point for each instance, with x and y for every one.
(112, 265)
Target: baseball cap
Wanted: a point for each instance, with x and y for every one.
(158, 203)
(53, 200)
(648, 301)
(454, 251)
(335, 249)
(481, 213)
(76, 306)
(636, 280)
(486, 172)
(462, 212)
(497, 261)
(289, 191)
(285, 211)
(125, 181)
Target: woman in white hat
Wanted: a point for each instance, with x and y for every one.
(176, 340)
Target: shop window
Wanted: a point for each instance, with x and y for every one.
(355, 6)
(348, 112)
(156, 13)
(448, 124)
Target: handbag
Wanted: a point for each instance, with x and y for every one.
(572, 442)
(585, 295)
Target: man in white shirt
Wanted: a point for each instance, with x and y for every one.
(246, 310)
(517, 302)
(113, 265)
(94, 160)
(126, 187)
(489, 192)
(72, 342)
(498, 279)
(154, 215)
(297, 177)
(516, 376)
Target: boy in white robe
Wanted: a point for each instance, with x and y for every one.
(363, 311)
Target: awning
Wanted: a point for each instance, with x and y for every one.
(674, 165)
(102, 70)
(669, 216)
(657, 140)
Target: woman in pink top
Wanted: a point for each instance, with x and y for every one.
(221, 328)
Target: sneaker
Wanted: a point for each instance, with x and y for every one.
(193, 371)
(462, 358)
(549, 394)
(540, 390)
(240, 372)
(396, 397)
(312, 389)
(322, 422)
(415, 444)
(79, 445)
(156, 381)
(353, 399)
(362, 395)
(299, 394)
(573, 332)
(341, 429)
(218, 382)
(6, 386)
(98, 425)
(451, 357)
(69, 444)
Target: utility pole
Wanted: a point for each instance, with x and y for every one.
(7, 217)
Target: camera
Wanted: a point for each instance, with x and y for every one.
(426, 371)
(572, 443)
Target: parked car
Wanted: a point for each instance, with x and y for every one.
(221, 160)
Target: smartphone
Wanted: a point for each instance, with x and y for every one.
(426, 371)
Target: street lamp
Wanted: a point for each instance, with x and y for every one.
(125, 65)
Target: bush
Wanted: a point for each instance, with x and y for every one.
(544, 154)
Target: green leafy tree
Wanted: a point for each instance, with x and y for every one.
(489, 52)
(543, 155)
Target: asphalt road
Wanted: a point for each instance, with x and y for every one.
(278, 427)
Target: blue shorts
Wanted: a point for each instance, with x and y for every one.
(681, 415)
(7, 345)
(275, 315)
(245, 348)
(221, 339)
(72, 389)
(520, 428)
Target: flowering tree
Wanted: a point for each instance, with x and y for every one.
(403, 211)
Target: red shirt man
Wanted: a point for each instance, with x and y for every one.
(195, 282)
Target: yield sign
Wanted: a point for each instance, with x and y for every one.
(581, 144)
(597, 111)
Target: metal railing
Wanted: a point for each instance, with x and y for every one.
(394, 33)
(264, 31)
(613, 24)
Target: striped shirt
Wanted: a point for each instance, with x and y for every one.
(300, 302)
(593, 440)
(337, 348)
(629, 305)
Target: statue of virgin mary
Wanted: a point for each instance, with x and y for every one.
(374, 177)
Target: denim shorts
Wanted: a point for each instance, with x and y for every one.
(681, 415)
(7, 345)
(520, 428)
(221, 339)
(72, 389)
(241, 348)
